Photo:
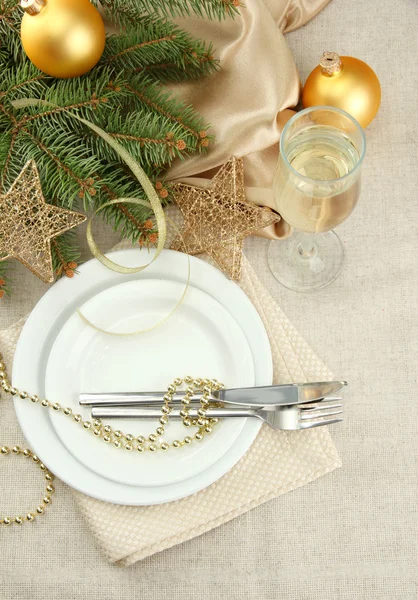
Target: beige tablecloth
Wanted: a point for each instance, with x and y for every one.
(351, 535)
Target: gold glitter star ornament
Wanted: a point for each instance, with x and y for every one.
(218, 218)
(28, 223)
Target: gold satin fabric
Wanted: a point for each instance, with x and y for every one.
(248, 100)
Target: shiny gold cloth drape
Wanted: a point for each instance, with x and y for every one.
(248, 100)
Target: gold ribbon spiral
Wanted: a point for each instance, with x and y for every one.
(154, 203)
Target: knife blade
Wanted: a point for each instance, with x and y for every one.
(291, 393)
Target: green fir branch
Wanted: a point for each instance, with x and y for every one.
(130, 12)
(5, 144)
(22, 80)
(89, 99)
(3, 269)
(10, 18)
(5, 288)
(158, 42)
(149, 96)
(151, 139)
(65, 164)
(65, 250)
(168, 72)
(126, 219)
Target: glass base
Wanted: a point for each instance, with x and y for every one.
(306, 271)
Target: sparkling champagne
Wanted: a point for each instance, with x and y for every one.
(311, 195)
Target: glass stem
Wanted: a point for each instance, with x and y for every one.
(306, 247)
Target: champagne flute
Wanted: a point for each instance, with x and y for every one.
(316, 187)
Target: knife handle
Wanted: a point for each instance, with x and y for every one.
(133, 412)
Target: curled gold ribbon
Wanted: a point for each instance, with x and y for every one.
(110, 264)
(154, 203)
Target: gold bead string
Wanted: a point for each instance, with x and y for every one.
(153, 441)
(126, 441)
(46, 500)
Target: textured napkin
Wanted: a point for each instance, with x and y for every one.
(276, 463)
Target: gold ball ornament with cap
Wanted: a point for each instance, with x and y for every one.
(63, 38)
(344, 82)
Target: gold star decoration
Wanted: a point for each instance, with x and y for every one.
(218, 218)
(28, 223)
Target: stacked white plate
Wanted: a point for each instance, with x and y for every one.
(215, 333)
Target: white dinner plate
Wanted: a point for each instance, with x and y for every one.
(45, 323)
(201, 338)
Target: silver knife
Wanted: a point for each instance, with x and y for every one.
(292, 393)
(261, 396)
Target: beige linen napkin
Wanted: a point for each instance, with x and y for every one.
(276, 463)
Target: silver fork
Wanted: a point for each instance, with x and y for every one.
(302, 416)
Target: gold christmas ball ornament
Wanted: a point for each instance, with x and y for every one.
(63, 38)
(344, 82)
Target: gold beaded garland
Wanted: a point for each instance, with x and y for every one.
(128, 442)
(19, 520)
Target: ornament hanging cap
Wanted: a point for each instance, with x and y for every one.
(32, 7)
(330, 63)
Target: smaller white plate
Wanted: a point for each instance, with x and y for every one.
(201, 338)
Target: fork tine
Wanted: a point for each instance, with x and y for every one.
(310, 424)
(319, 407)
(328, 413)
(321, 401)
(325, 402)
